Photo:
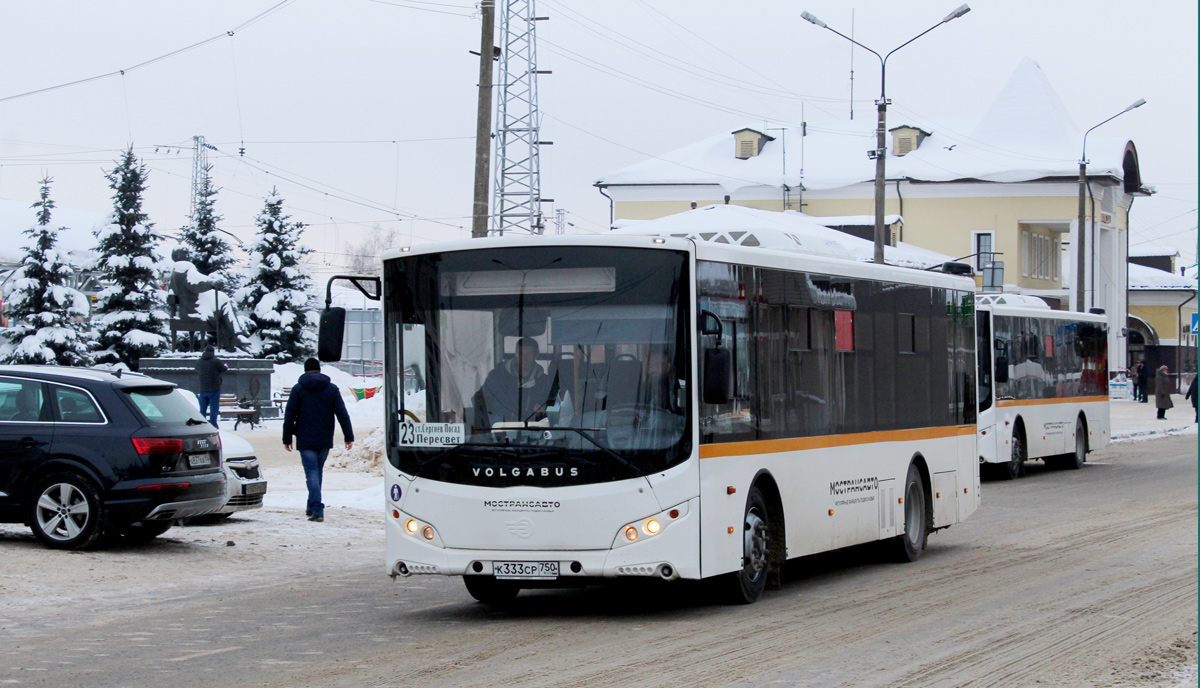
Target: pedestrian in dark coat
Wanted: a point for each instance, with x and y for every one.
(312, 405)
(1191, 394)
(1143, 379)
(210, 369)
(1162, 392)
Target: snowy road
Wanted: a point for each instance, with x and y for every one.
(1082, 578)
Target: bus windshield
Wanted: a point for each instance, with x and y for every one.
(537, 366)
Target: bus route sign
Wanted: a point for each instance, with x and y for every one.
(432, 434)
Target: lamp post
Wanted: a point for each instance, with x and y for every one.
(880, 152)
(1080, 252)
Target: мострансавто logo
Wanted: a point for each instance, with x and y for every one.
(841, 487)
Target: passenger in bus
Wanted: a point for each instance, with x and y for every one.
(1162, 392)
(660, 378)
(517, 389)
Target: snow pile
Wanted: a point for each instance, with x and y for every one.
(1142, 278)
(785, 231)
(1025, 134)
(366, 456)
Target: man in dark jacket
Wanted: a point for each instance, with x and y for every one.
(1191, 394)
(312, 405)
(210, 368)
(1142, 375)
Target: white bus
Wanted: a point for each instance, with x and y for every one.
(658, 407)
(1043, 384)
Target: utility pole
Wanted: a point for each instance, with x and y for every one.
(199, 168)
(516, 203)
(483, 122)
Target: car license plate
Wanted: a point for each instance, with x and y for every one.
(527, 570)
(200, 460)
(256, 488)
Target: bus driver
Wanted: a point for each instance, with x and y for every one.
(517, 389)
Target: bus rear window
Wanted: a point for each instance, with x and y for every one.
(162, 406)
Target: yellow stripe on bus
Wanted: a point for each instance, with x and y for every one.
(1039, 402)
(712, 451)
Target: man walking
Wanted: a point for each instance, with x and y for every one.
(210, 368)
(312, 405)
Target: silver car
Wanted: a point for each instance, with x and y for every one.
(244, 485)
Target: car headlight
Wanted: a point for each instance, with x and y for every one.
(650, 526)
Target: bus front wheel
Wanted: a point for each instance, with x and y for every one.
(746, 585)
(911, 542)
(489, 590)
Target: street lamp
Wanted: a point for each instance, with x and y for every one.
(1080, 254)
(880, 152)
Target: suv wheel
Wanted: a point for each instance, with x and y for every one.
(65, 511)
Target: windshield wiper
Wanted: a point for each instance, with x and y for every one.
(584, 433)
(193, 421)
(498, 448)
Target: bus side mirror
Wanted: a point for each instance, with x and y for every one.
(710, 323)
(1001, 369)
(718, 382)
(329, 336)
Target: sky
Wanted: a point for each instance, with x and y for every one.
(362, 112)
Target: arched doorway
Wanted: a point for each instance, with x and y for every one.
(1137, 336)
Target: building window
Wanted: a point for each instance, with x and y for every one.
(984, 248)
(1025, 258)
(1056, 251)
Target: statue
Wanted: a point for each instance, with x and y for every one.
(197, 305)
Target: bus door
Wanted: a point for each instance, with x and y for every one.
(986, 358)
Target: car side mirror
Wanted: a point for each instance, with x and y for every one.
(329, 336)
(1001, 369)
(718, 380)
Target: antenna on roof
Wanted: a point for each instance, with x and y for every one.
(851, 65)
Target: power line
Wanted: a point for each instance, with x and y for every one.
(122, 72)
(406, 5)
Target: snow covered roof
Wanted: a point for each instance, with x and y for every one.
(1142, 278)
(788, 230)
(18, 216)
(1151, 251)
(1026, 134)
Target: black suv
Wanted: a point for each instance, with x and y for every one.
(83, 452)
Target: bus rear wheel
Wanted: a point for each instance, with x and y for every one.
(911, 542)
(1016, 465)
(746, 585)
(1074, 460)
(488, 590)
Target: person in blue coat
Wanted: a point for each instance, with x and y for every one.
(313, 404)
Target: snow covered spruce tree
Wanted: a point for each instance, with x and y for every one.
(46, 315)
(276, 294)
(207, 250)
(130, 319)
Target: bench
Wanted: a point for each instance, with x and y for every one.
(230, 407)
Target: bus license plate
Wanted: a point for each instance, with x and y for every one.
(527, 570)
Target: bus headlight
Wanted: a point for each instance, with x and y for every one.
(417, 528)
(650, 526)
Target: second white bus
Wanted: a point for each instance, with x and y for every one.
(1043, 384)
